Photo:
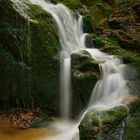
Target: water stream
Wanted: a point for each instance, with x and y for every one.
(71, 37)
(108, 91)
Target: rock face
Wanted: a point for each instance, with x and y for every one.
(28, 50)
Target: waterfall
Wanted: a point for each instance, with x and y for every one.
(71, 37)
(109, 90)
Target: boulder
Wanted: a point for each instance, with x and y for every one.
(109, 123)
(85, 73)
(102, 123)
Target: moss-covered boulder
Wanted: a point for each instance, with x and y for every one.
(102, 123)
(109, 123)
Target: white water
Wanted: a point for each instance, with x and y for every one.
(71, 37)
(109, 90)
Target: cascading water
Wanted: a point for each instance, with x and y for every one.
(109, 90)
(70, 36)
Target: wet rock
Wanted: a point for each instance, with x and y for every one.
(85, 73)
(83, 62)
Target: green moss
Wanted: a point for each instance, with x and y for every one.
(106, 117)
(114, 114)
(98, 41)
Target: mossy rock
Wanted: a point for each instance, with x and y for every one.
(107, 123)
(31, 40)
(101, 121)
(84, 76)
(82, 61)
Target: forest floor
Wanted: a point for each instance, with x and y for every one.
(19, 118)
